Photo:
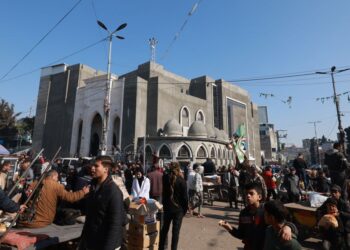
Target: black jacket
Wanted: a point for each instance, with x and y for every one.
(105, 217)
(179, 196)
(7, 204)
(337, 165)
(344, 212)
(252, 227)
(299, 164)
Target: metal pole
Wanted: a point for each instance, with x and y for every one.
(336, 101)
(144, 153)
(107, 102)
(317, 145)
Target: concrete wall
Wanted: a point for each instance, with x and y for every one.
(89, 102)
(55, 111)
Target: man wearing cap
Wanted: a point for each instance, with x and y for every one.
(343, 209)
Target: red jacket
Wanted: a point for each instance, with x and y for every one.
(270, 184)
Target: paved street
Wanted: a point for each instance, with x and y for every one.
(206, 234)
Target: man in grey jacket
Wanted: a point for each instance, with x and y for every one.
(291, 184)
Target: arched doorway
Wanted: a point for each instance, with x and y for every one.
(116, 132)
(80, 131)
(164, 152)
(96, 132)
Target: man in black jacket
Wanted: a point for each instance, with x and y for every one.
(343, 211)
(337, 165)
(105, 216)
(300, 166)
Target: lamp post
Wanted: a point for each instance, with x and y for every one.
(336, 101)
(107, 101)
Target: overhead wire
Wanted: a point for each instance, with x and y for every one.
(40, 41)
(56, 61)
(177, 35)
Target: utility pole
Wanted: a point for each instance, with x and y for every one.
(318, 149)
(336, 101)
(281, 133)
(107, 101)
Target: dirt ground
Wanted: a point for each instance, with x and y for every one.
(203, 234)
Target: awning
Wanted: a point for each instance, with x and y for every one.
(3, 150)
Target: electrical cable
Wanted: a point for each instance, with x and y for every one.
(177, 35)
(56, 61)
(42, 39)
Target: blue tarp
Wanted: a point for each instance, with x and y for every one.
(3, 150)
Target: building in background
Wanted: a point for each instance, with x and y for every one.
(268, 137)
(154, 112)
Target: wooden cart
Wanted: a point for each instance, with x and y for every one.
(304, 218)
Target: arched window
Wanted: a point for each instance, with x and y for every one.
(201, 153)
(200, 116)
(184, 152)
(212, 153)
(185, 117)
(164, 152)
(219, 153)
(116, 131)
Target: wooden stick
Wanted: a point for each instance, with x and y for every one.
(42, 177)
(24, 173)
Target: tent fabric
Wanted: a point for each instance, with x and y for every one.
(3, 150)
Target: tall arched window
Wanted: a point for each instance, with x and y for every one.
(185, 117)
(200, 116)
(219, 153)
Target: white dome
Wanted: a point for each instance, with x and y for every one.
(172, 128)
(210, 131)
(197, 129)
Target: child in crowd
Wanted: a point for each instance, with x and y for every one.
(252, 227)
(276, 216)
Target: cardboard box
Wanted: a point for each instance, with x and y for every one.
(143, 229)
(144, 219)
(137, 209)
(139, 240)
(143, 209)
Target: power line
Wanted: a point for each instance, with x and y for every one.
(42, 39)
(56, 61)
(177, 35)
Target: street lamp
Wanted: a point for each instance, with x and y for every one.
(336, 101)
(107, 101)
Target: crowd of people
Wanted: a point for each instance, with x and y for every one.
(102, 190)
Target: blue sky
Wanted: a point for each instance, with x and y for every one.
(227, 39)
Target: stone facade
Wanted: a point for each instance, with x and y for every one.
(159, 113)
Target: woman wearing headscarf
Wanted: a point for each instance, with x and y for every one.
(140, 185)
(175, 204)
